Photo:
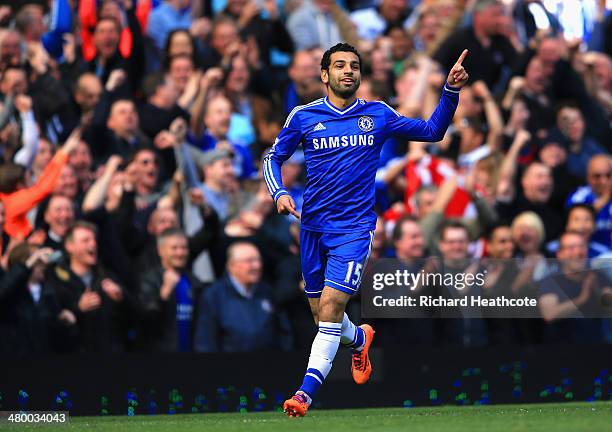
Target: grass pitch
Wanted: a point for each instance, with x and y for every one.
(571, 417)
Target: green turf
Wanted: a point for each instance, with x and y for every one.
(571, 417)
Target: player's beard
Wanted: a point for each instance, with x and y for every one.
(342, 90)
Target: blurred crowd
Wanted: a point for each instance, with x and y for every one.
(134, 214)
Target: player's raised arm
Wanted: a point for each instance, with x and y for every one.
(287, 141)
(432, 130)
(458, 76)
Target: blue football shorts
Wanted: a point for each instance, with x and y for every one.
(334, 260)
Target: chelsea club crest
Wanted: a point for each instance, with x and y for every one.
(366, 123)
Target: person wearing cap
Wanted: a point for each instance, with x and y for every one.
(219, 180)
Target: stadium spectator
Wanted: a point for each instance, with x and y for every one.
(553, 154)
(119, 134)
(372, 22)
(409, 247)
(427, 32)
(241, 88)
(168, 296)
(454, 250)
(334, 25)
(217, 120)
(186, 81)
(491, 51)
(409, 242)
(581, 148)
(86, 96)
(502, 277)
(168, 16)
(156, 116)
(572, 293)
(597, 193)
(528, 233)
(92, 295)
(219, 182)
(164, 218)
(236, 312)
(161, 107)
(59, 217)
(536, 191)
(530, 140)
(179, 43)
(262, 23)
(499, 243)
(10, 49)
(108, 57)
(126, 12)
(82, 163)
(19, 200)
(32, 321)
(29, 21)
(304, 85)
(224, 43)
(581, 220)
(41, 160)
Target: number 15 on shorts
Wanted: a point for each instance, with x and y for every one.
(353, 273)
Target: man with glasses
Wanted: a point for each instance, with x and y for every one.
(236, 312)
(597, 194)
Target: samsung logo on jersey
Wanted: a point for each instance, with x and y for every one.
(343, 141)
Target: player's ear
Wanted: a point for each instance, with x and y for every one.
(324, 76)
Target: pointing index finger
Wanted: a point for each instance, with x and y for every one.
(462, 57)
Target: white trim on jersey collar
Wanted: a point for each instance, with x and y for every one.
(333, 108)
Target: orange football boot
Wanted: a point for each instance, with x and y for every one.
(297, 406)
(361, 368)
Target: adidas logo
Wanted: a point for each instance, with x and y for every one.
(319, 127)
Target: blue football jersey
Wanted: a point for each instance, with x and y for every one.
(603, 218)
(342, 149)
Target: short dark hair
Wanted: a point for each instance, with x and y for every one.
(170, 232)
(340, 47)
(588, 208)
(571, 233)
(120, 100)
(151, 83)
(81, 224)
(101, 19)
(11, 174)
(169, 41)
(20, 253)
(493, 228)
(397, 229)
(7, 68)
(452, 224)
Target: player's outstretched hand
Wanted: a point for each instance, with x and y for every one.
(286, 205)
(457, 76)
